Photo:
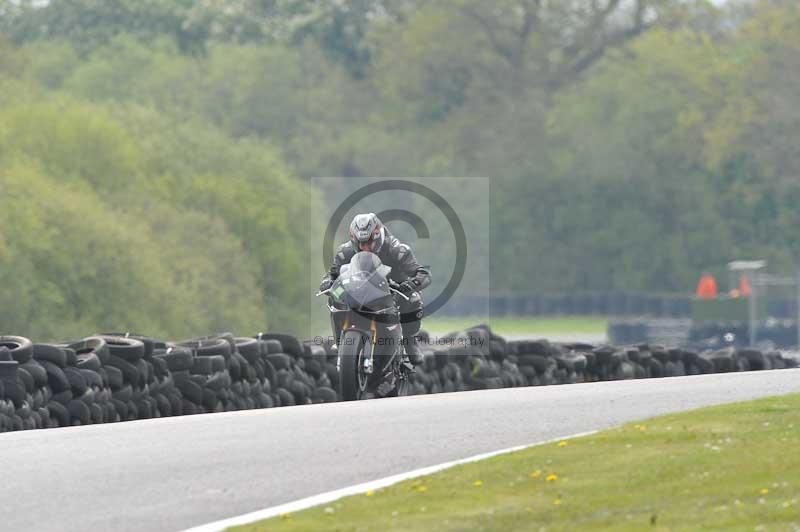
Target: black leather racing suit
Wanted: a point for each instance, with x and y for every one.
(405, 267)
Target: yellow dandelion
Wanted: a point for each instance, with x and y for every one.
(557, 502)
(562, 443)
(552, 477)
(478, 483)
(286, 516)
(529, 509)
(422, 489)
(535, 474)
(764, 491)
(370, 493)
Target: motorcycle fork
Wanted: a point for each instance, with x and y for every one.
(367, 361)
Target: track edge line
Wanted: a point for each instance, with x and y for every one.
(334, 495)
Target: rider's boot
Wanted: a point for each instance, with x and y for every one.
(413, 351)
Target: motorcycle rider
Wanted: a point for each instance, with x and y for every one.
(367, 233)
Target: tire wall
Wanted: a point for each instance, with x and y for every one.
(116, 377)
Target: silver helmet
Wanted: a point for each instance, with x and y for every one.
(367, 232)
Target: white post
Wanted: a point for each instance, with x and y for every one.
(752, 309)
(797, 285)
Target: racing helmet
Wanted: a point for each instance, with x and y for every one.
(367, 232)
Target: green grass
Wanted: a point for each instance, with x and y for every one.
(734, 467)
(523, 325)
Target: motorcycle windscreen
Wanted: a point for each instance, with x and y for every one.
(364, 279)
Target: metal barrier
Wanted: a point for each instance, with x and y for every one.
(571, 304)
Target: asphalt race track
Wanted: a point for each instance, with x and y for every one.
(174, 473)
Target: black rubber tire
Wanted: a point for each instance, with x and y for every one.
(163, 405)
(209, 399)
(124, 394)
(144, 408)
(280, 361)
(176, 401)
(326, 395)
(149, 343)
(77, 382)
(266, 401)
(348, 365)
(38, 399)
(202, 366)
(91, 345)
(235, 364)
(88, 397)
(44, 414)
(72, 358)
(129, 372)
(26, 379)
(89, 361)
(110, 414)
(536, 361)
(128, 349)
(190, 391)
(160, 368)
(178, 358)
(219, 381)
(93, 379)
(50, 353)
(56, 379)
(313, 351)
(249, 348)
(8, 369)
(180, 376)
(21, 348)
(96, 413)
(115, 378)
(121, 408)
(301, 392)
(14, 391)
(209, 346)
(289, 344)
(78, 410)
(63, 397)
(271, 346)
(286, 398)
(133, 411)
(145, 369)
(269, 373)
(314, 369)
(59, 413)
(37, 372)
(188, 408)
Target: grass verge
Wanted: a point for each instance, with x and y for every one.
(522, 325)
(732, 467)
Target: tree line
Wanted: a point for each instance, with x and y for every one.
(155, 155)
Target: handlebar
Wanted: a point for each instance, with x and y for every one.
(399, 293)
(391, 289)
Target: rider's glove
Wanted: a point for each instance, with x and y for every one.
(408, 287)
(325, 284)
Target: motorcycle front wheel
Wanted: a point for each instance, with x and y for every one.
(352, 380)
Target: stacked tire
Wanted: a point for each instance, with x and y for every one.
(113, 377)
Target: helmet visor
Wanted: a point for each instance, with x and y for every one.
(371, 242)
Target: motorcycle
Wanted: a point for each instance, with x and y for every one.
(370, 340)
